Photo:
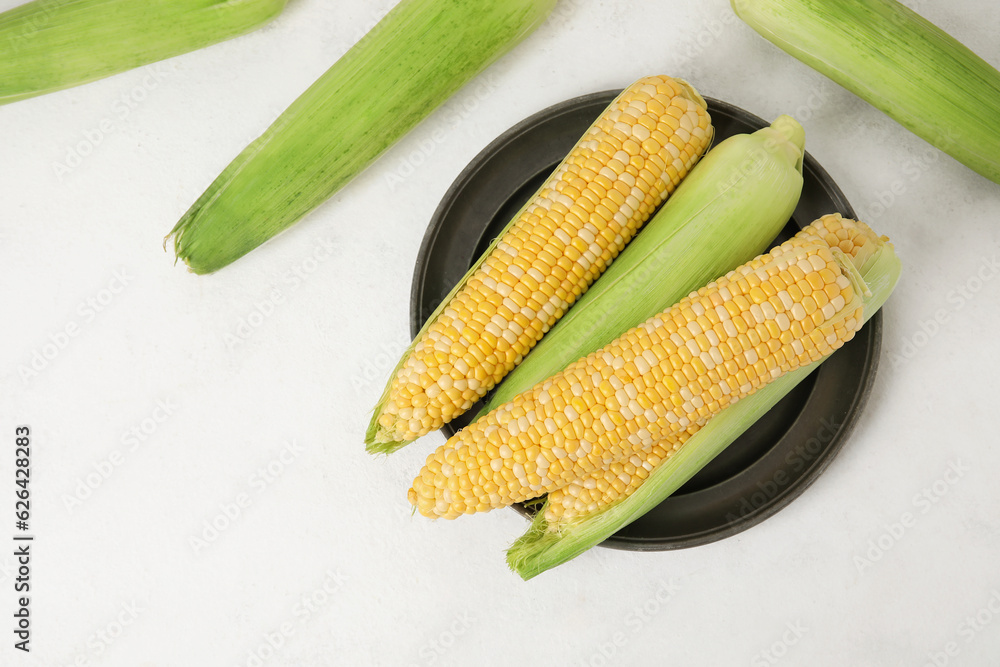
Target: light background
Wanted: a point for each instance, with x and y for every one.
(408, 591)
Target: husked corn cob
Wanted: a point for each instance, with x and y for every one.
(666, 377)
(578, 222)
(607, 485)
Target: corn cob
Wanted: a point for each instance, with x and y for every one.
(898, 62)
(48, 45)
(728, 210)
(405, 67)
(608, 485)
(546, 545)
(669, 375)
(580, 219)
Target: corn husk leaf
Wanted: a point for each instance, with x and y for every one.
(406, 66)
(897, 61)
(49, 45)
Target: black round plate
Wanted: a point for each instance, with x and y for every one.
(779, 456)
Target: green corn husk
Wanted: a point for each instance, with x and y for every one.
(49, 45)
(897, 61)
(543, 546)
(726, 212)
(409, 64)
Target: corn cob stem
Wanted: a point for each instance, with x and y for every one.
(546, 544)
(48, 45)
(632, 157)
(411, 62)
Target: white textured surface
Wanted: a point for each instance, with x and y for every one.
(409, 591)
